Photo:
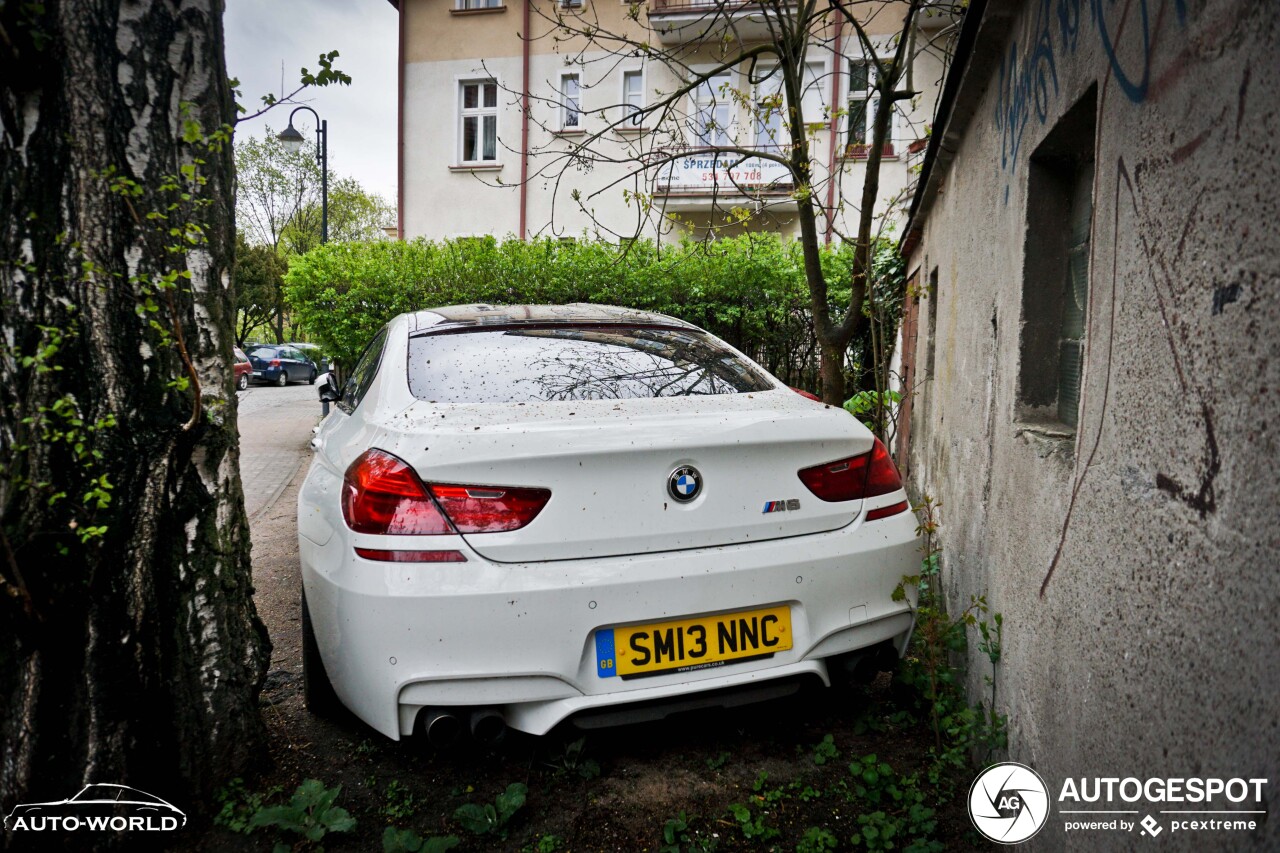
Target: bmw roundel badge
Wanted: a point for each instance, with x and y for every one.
(685, 483)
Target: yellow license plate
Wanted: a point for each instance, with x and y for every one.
(691, 644)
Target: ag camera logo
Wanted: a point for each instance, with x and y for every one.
(1008, 803)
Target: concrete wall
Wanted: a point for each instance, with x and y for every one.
(1135, 558)
(440, 200)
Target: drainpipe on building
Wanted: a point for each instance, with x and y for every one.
(524, 124)
(835, 130)
(400, 126)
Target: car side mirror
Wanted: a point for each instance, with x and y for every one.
(329, 391)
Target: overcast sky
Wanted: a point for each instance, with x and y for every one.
(263, 35)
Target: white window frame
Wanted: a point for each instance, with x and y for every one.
(870, 100)
(771, 132)
(479, 112)
(473, 5)
(775, 134)
(715, 102)
(630, 110)
(570, 4)
(570, 118)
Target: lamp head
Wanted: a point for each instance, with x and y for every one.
(291, 139)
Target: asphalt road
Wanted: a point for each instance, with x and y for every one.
(275, 428)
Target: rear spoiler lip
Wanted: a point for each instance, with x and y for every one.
(507, 324)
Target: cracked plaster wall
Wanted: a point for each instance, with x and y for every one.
(1135, 562)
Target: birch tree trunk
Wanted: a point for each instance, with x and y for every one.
(130, 649)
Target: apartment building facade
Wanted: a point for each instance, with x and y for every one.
(555, 134)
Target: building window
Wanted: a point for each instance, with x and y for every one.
(932, 349)
(1055, 277)
(570, 102)
(770, 111)
(633, 97)
(479, 125)
(1076, 300)
(864, 102)
(466, 5)
(712, 111)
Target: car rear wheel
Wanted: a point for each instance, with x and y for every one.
(242, 382)
(311, 380)
(317, 692)
(283, 379)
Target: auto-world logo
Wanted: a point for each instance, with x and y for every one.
(1008, 803)
(98, 808)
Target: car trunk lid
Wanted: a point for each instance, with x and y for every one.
(609, 465)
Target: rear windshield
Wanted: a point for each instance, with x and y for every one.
(263, 352)
(574, 363)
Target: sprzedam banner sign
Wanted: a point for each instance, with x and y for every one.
(726, 172)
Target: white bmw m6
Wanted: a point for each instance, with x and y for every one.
(520, 515)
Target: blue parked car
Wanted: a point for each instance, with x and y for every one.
(280, 365)
(313, 352)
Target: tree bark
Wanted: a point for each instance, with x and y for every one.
(133, 655)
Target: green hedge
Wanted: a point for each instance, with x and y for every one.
(748, 290)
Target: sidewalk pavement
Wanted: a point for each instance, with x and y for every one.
(275, 431)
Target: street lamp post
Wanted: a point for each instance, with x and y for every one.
(293, 141)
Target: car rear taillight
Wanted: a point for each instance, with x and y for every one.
(275, 362)
(805, 394)
(382, 494)
(854, 478)
(489, 509)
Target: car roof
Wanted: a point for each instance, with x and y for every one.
(479, 314)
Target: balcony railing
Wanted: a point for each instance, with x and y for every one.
(671, 7)
(683, 21)
(861, 150)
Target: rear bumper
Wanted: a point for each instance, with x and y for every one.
(396, 638)
(267, 374)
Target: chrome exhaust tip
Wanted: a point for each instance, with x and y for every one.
(440, 726)
(487, 726)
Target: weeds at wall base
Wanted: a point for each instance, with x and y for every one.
(934, 670)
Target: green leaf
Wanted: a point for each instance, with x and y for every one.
(400, 841)
(338, 820)
(474, 818)
(285, 817)
(510, 801)
(440, 844)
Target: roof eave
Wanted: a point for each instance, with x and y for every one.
(986, 23)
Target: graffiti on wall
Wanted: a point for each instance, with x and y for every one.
(1028, 83)
(1147, 235)
(1052, 29)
